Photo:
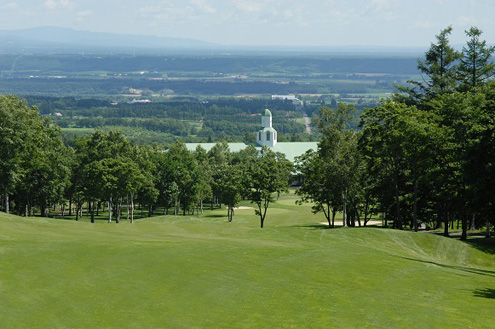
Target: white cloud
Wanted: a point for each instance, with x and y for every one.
(10, 5)
(385, 9)
(423, 24)
(204, 6)
(248, 6)
(382, 4)
(166, 11)
(83, 14)
(59, 4)
(467, 20)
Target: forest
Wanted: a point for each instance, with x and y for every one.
(420, 159)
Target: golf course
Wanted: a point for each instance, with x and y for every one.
(204, 272)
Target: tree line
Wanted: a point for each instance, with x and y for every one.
(424, 157)
(105, 171)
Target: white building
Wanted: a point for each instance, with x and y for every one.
(285, 97)
(267, 136)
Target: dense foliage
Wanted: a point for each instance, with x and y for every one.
(103, 170)
(424, 157)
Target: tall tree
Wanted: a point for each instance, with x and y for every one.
(480, 168)
(16, 120)
(319, 183)
(475, 66)
(265, 174)
(34, 163)
(438, 71)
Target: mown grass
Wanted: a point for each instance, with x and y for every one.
(203, 272)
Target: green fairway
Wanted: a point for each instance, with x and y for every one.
(197, 272)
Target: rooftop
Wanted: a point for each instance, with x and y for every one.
(267, 113)
(290, 149)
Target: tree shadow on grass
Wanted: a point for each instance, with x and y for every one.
(319, 226)
(486, 245)
(484, 293)
(453, 267)
(215, 216)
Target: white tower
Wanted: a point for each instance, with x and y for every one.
(267, 136)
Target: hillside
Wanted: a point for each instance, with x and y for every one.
(183, 272)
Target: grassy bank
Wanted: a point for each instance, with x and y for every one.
(196, 272)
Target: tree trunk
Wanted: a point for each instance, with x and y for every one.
(132, 208)
(7, 209)
(110, 210)
(230, 210)
(366, 211)
(128, 210)
(464, 228)
(327, 214)
(70, 206)
(42, 209)
(119, 209)
(91, 207)
(415, 207)
(344, 210)
(446, 226)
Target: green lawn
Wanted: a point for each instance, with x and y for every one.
(196, 272)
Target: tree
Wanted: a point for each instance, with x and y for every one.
(329, 177)
(219, 157)
(319, 183)
(480, 169)
(46, 167)
(438, 70)
(265, 174)
(107, 171)
(184, 165)
(16, 120)
(228, 182)
(34, 163)
(382, 145)
(475, 67)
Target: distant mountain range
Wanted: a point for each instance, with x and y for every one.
(66, 40)
(60, 39)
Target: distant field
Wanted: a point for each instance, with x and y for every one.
(203, 272)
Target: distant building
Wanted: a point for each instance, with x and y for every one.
(287, 97)
(267, 136)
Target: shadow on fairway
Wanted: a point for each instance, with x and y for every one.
(485, 293)
(483, 244)
(316, 226)
(215, 216)
(453, 267)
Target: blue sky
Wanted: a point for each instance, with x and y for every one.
(263, 22)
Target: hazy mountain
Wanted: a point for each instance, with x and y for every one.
(60, 39)
(65, 40)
